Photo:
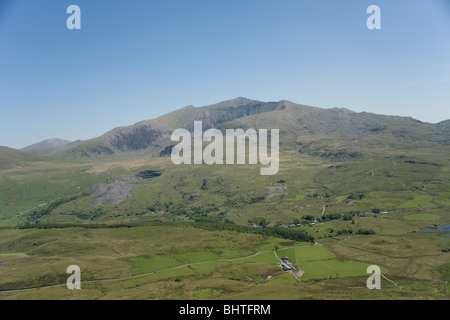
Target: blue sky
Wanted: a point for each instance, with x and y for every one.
(134, 60)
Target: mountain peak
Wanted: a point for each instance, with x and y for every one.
(237, 102)
(46, 146)
(343, 110)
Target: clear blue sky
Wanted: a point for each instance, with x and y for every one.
(134, 60)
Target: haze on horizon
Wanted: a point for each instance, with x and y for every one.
(133, 61)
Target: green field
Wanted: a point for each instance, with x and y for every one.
(178, 262)
(141, 265)
(423, 217)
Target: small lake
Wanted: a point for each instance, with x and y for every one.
(444, 228)
(2, 265)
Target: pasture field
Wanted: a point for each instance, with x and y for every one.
(182, 262)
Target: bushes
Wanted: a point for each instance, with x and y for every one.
(365, 232)
(331, 216)
(242, 201)
(341, 232)
(261, 222)
(351, 214)
(53, 205)
(290, 234)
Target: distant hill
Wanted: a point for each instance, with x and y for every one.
(47, 147)
(312, 130)
(10, 158)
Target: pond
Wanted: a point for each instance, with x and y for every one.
(444, 228)
(2, 265)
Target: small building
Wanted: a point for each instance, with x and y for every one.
(286, 268)
(285, 259)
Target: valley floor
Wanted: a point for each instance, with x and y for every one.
(183, 262)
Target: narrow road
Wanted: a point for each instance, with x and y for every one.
(39, 206)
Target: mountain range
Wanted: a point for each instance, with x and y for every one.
(309, 129)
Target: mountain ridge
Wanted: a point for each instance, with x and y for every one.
(298, 122)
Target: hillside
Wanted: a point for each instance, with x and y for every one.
(10, 158)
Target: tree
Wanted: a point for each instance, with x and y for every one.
(264, 223)
(278, 223)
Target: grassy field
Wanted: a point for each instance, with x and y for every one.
(170, 262)
(423, 217)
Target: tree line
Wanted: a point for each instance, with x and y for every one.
(290, 234)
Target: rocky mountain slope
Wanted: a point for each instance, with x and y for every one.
(308, 129)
